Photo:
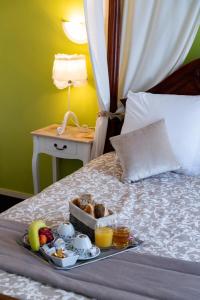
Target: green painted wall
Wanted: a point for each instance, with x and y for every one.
(195, 50)
(30, 35)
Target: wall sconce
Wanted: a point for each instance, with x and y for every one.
(75, 31)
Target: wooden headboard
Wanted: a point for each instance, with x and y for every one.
(184, 81)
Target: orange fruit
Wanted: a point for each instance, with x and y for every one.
(43, 239)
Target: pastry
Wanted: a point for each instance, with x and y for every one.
(77, 202)
(89, 209)
(86, 199)
(87, 204)
(100, 211)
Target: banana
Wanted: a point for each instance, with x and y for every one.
(33, 234)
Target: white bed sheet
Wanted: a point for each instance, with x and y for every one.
(164, 209)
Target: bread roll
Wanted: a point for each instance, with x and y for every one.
(100, 211)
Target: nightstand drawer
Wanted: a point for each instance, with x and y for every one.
(57, 147)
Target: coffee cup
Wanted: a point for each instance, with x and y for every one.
(81, 243)
(66, 231)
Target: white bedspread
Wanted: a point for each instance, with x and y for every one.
(165, 213)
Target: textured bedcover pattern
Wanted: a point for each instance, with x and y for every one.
(165, 213)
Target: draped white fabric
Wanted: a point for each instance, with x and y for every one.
(156, 37)
(94, 18)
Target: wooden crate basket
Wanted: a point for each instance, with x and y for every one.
(85, 223)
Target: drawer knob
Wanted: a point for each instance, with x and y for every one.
(58, 148)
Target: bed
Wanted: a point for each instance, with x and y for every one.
(164, 209)
(164, 212)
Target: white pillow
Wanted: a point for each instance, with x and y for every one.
(182, 119)
(144, 152)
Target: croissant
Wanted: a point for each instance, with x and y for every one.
(89, 209)
(77, 202)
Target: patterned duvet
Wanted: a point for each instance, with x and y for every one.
(164, 211)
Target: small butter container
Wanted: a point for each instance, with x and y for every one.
(68, 261)
(47, 250)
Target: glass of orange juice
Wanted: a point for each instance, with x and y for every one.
(103, 237)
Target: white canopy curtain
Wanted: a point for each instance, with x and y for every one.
(156, 37)
(94, 18)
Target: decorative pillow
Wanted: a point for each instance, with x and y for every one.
(144, 152)
(182, 119)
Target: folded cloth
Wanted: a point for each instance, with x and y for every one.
(124, 276)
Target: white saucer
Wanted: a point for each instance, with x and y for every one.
(87, 256)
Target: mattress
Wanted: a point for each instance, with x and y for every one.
(164, 211)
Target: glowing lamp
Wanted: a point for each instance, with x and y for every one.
(68, 71)
(75, 31)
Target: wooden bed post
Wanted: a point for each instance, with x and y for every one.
(113, 52)
(113, 55)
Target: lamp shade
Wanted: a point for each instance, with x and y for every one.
(69, 70)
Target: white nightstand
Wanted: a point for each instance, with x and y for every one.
(72, 144)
